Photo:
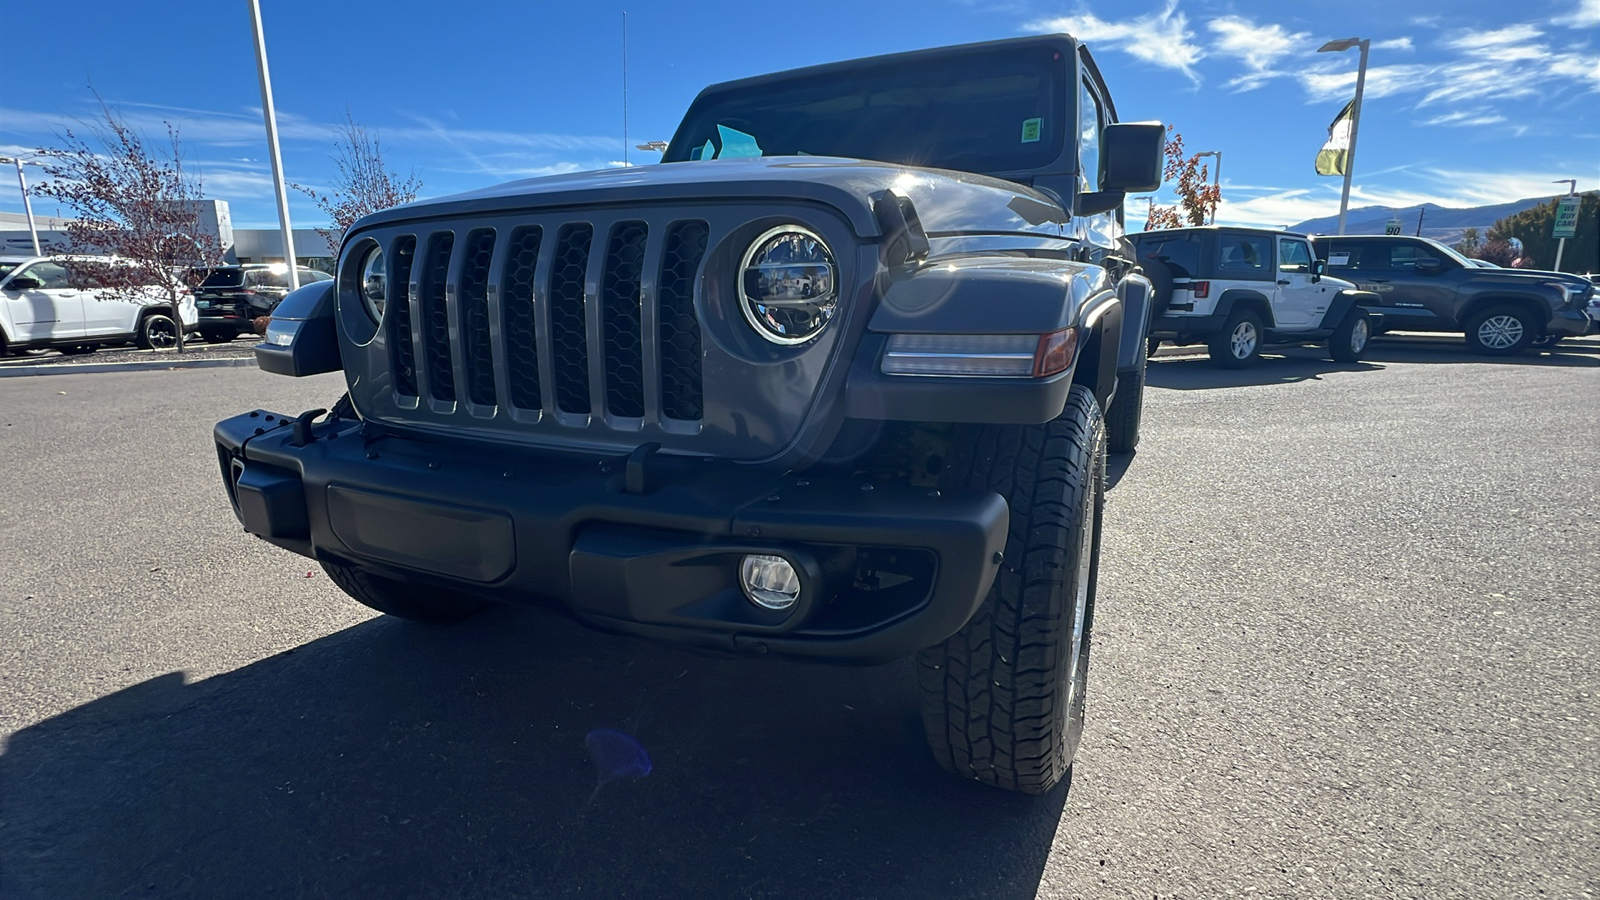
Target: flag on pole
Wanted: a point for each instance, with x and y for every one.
(1334, 157)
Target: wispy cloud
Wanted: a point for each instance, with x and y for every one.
(1399, 43)
(1259, 47)
(1455, 188)
(1161, 38)
(1585, 15)
(1464, 118)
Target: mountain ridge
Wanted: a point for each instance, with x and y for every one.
(1442, 223)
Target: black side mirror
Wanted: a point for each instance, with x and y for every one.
(1427, 265)
(1319, 268)
(24, 283)
(1131, 156)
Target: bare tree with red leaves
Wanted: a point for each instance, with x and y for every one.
(137, 206)
(363, 184)
(1197, 198)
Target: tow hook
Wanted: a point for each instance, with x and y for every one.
(302, 428)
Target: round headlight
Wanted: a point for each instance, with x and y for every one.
(373, 283)
(788, 285)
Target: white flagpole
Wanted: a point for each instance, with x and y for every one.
(272, 145)
(1355, 127)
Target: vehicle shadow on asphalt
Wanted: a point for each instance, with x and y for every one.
(1197, 373)
(399, 760)
(1586, 355)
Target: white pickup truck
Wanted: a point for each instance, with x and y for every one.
(42, 305)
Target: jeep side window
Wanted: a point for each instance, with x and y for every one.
(1089, 124)
(1293, 256)
(1243, 253)
(1182, 255)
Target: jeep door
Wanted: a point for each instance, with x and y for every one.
(1298, 302)
(115, 311)
(46, 307)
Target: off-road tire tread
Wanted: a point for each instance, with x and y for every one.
(400, 599)
(1339, 341)
(990, 692)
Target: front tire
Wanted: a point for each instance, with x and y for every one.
(1238, 344)
(402, 599)
(1502, 331)
(1003, 698)
(1349, 341)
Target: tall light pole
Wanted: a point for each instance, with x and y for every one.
(1561, 245)
(1355, 114)
(27, 205)
(271, 116)
(1150, 201)
(1216, 180)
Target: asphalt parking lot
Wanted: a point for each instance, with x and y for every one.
(1347, 646)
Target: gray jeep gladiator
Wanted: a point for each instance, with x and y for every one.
(827, 383)
(1422, 285)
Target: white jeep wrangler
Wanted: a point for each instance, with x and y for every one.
(1237, 289)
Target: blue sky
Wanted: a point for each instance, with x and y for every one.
(1486, 103)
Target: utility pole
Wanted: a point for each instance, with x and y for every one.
(1216, 181)
(271, 115)
(1561, 245)
(27, 206)
(1421, 212)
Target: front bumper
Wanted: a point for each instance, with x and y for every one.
(646, 544)
(1569, 323)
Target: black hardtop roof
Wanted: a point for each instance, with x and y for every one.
(1065, 42)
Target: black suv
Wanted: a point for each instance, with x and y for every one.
(231, 297)
(806, 388)
(1422, 285)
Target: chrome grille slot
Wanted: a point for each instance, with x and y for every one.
(679, 326)
(436, 316)
(517, 291)
(402, 354)
(474, 294)
(568, 325)
(621, 308)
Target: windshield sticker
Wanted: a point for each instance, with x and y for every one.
(736, 144)
(1338, 259)
(1031, 129)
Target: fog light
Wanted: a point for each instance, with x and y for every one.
(769, 581)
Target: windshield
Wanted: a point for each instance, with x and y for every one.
(991, 111)
(1449, 253)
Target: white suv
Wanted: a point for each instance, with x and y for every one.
(40, 306)
(1238, 289)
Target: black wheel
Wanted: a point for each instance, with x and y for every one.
(1502, 330)
(218, 337)
(1127, 408)
(157, 332)
(402, 599)
(77, 349)
(1348, 343)
(1003, 698)
(1238, 344)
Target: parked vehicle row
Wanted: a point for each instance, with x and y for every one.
(230, 298)
(1235, 289)
(44, 304)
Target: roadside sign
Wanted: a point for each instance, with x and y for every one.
(1393, 227)
(1567, 217)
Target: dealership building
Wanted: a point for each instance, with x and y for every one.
(239, 245)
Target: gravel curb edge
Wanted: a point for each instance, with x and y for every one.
(91, 368)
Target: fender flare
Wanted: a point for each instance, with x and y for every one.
(1237, 296)
(1346, 300)
(1138, 308)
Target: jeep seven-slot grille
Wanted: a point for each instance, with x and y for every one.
(543, 286)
